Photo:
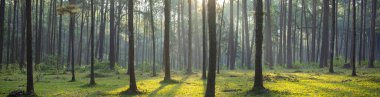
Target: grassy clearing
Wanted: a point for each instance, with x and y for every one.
(300, 82)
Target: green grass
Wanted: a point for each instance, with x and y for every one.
(294, 82)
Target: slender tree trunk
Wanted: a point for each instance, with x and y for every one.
(72, 33)
(153, 36)
(29, 60)
(2, 18)
(373, 35)
(333, 32)
(314, 32)
(210, 89)
(258, 82)
(269, 53)
(189, 61)
(92, 78)
(325, 35)
(231, 38)
(289, 37)
(166, 40)
(204, 39)
(353, 51)
(131, 50)
(112, 35)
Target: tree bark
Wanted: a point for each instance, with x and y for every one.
(210, 89)
(353, 41)
(258, 80)
(29, 60)
(373, 35)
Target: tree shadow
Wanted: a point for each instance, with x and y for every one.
(176, 88)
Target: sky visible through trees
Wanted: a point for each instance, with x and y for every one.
(189, 48)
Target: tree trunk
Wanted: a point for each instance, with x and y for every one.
(2, 18)
(289, 37)
(353, 51)
(112, 35)
(72, 33)
(268, 39)
(373, 35)
(333, 32)
(246, 39)
(258, 80)
(131, 50)
(325, 34)
(153, 37)
(189, 61)
(29, 60)
(166, 40)
(231, 39)
(210, 89)
(204, 39)
(92, 78)
(314, 32)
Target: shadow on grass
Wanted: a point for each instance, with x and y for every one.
(166, 83)
(88, 85)
(266, 93)
(176, 88)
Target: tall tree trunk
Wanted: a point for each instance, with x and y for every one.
(268, 39)
(325, 34)
(246, 39)
(258, 82)
(289, 37)
(38, 46)
(153, 36)
(373, 35)
(112, 35)
(72, 33)
(29, 60)
(333, 32)
(131, 50)
(353, 50)
(210, 89)
(314, 32)
(189, 61)
(166, 40)
(231, 38)
(2, 18)
(92, 78)
(204, 39)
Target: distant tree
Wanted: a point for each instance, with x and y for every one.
(247, 49)
(325, 34)
(210, 89)
(258, 82)
(333, 32)
(289, 37)
(373, 35)
(204, 39)
(314, 32)
(131, 50)
(189, 67)
(29, 60)
(153, 36)
(166, 40)
(2, 12)
(92, 78)
(112, 35)
(230, 60)
(353, 49)
(269, 53)
(72, 37)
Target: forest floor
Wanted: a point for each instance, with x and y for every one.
(280, 82)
